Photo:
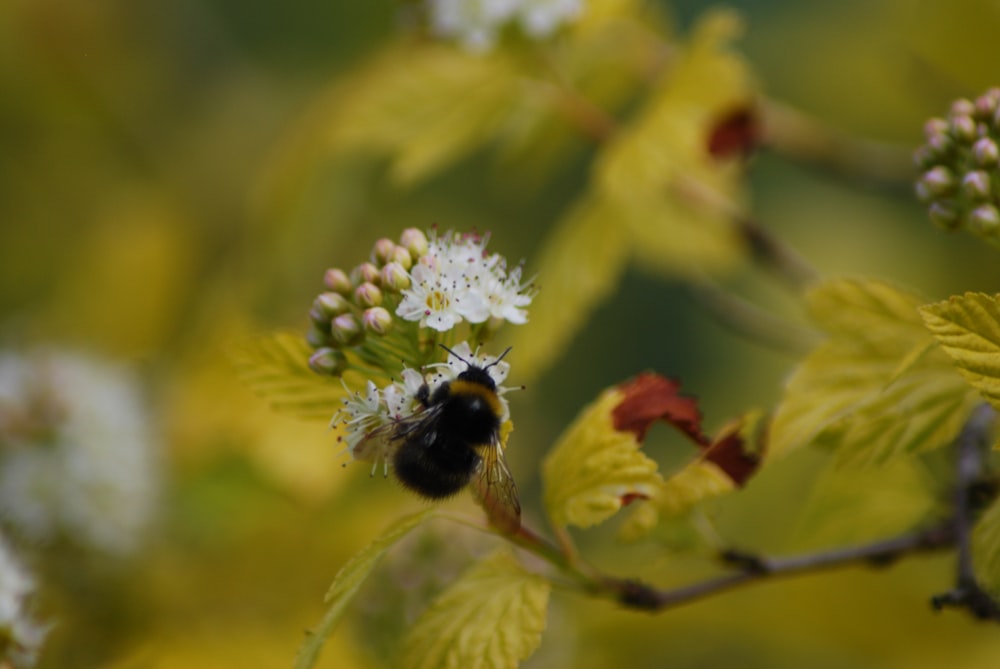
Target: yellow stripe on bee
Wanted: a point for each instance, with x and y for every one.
(460, 387)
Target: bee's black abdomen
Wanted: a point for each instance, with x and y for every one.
(435, 466)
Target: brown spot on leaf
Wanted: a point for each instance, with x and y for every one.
(630, 497)
(731, 455)
(735, 134)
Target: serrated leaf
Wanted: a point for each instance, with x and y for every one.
(595, 468)
(345, 585)
(968, 328)
(425, 106)
(276, 367)
(583, 260)
(878, 387)
(492, 617)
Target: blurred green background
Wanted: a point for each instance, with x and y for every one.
(141, 145)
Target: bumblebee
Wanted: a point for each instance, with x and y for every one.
(453, 441)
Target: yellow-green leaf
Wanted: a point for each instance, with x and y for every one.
(857, 505)
(348, 580)
(276, 367)
(594, 469)
(425, 106)
(877, 387)
(968, 328)
(677, 201)
(492, 617)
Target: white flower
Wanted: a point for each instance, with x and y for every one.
(20, 636)
(457, 280)
(474, 23)
(541, 18)
(507, 297)
(78, 457)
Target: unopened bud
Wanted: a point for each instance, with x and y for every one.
(986, 152)
(337, 280)
(368, 295)
(944, 215)
(346, 330)
(382, 250)
(976, 185)
(935, 127)
(328, 361)
(377, 320)
(329, 305)
(985, 219)
(986, 104)
(962, 107)
(402, 257)
(963, 128)
(366, 271)
(938, 181)
(395, 278)
(414, 241)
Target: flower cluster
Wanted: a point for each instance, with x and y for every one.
(368, 411)
(20, 635)
(960, 180)
(396, 307)
(77, 460)
(477, 23)
(398, 326)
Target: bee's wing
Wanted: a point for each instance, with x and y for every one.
(381, 443)
(494, 489)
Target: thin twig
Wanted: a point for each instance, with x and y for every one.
(755, 568)
(796, 134)
(972, 445)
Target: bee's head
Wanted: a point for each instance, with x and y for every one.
(476, 374)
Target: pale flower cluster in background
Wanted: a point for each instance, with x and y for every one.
(77, 457)
(20, 635)
(477, 23)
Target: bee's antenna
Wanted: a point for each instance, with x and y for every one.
(499, 358)
(467, 363)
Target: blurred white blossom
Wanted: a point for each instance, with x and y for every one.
(20, 635)
(476, 24)
(77, 458)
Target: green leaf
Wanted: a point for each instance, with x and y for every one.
(492, 617)
(595, 469)
(968, 328)
(276, 367)
(348, 580)
(878, 387)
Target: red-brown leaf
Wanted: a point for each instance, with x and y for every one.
(650, 397)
